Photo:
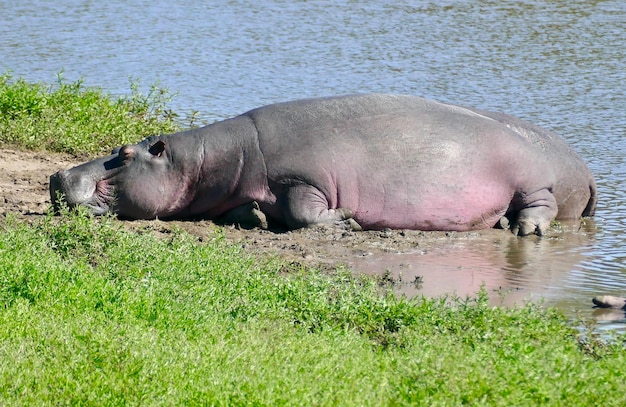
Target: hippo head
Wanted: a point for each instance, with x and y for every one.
(137, 181)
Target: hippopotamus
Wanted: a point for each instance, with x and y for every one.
(609, 301)
(380, 161)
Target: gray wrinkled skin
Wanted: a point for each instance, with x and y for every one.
(377, 161)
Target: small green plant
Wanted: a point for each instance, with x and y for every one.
(20, 99)
(68, 117)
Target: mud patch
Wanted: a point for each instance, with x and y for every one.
(24, 180)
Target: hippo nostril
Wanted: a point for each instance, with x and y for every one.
(63, 189)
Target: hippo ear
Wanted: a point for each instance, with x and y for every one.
(157, 148)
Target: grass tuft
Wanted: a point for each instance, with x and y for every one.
(68, 117)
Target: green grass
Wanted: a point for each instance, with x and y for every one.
(68, 117)
(92, 313)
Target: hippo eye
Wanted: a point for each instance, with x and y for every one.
(157, 148)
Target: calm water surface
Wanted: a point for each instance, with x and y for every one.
(557, 64)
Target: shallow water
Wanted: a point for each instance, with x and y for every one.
(557, 64)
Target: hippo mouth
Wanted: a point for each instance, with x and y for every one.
(103, 198)
(98, 197)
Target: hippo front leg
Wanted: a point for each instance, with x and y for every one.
(305, 205)
(248, 216)
(538, 211)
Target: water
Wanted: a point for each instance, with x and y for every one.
(557, 64)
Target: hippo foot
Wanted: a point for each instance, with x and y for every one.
(534, 220)
(340, 216)
(524, 227)
(306, 205)
(609, 301)
(539, 208)
(504, 223)
(349, 224)
(248, 216)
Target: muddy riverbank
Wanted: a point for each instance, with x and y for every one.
(412, 262)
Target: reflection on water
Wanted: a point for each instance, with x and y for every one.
(518, 268)
(557, 64)
(513, 270)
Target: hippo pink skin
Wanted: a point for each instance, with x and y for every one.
(386, 161)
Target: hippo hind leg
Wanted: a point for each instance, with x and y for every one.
(539, 209)
(304, 205)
